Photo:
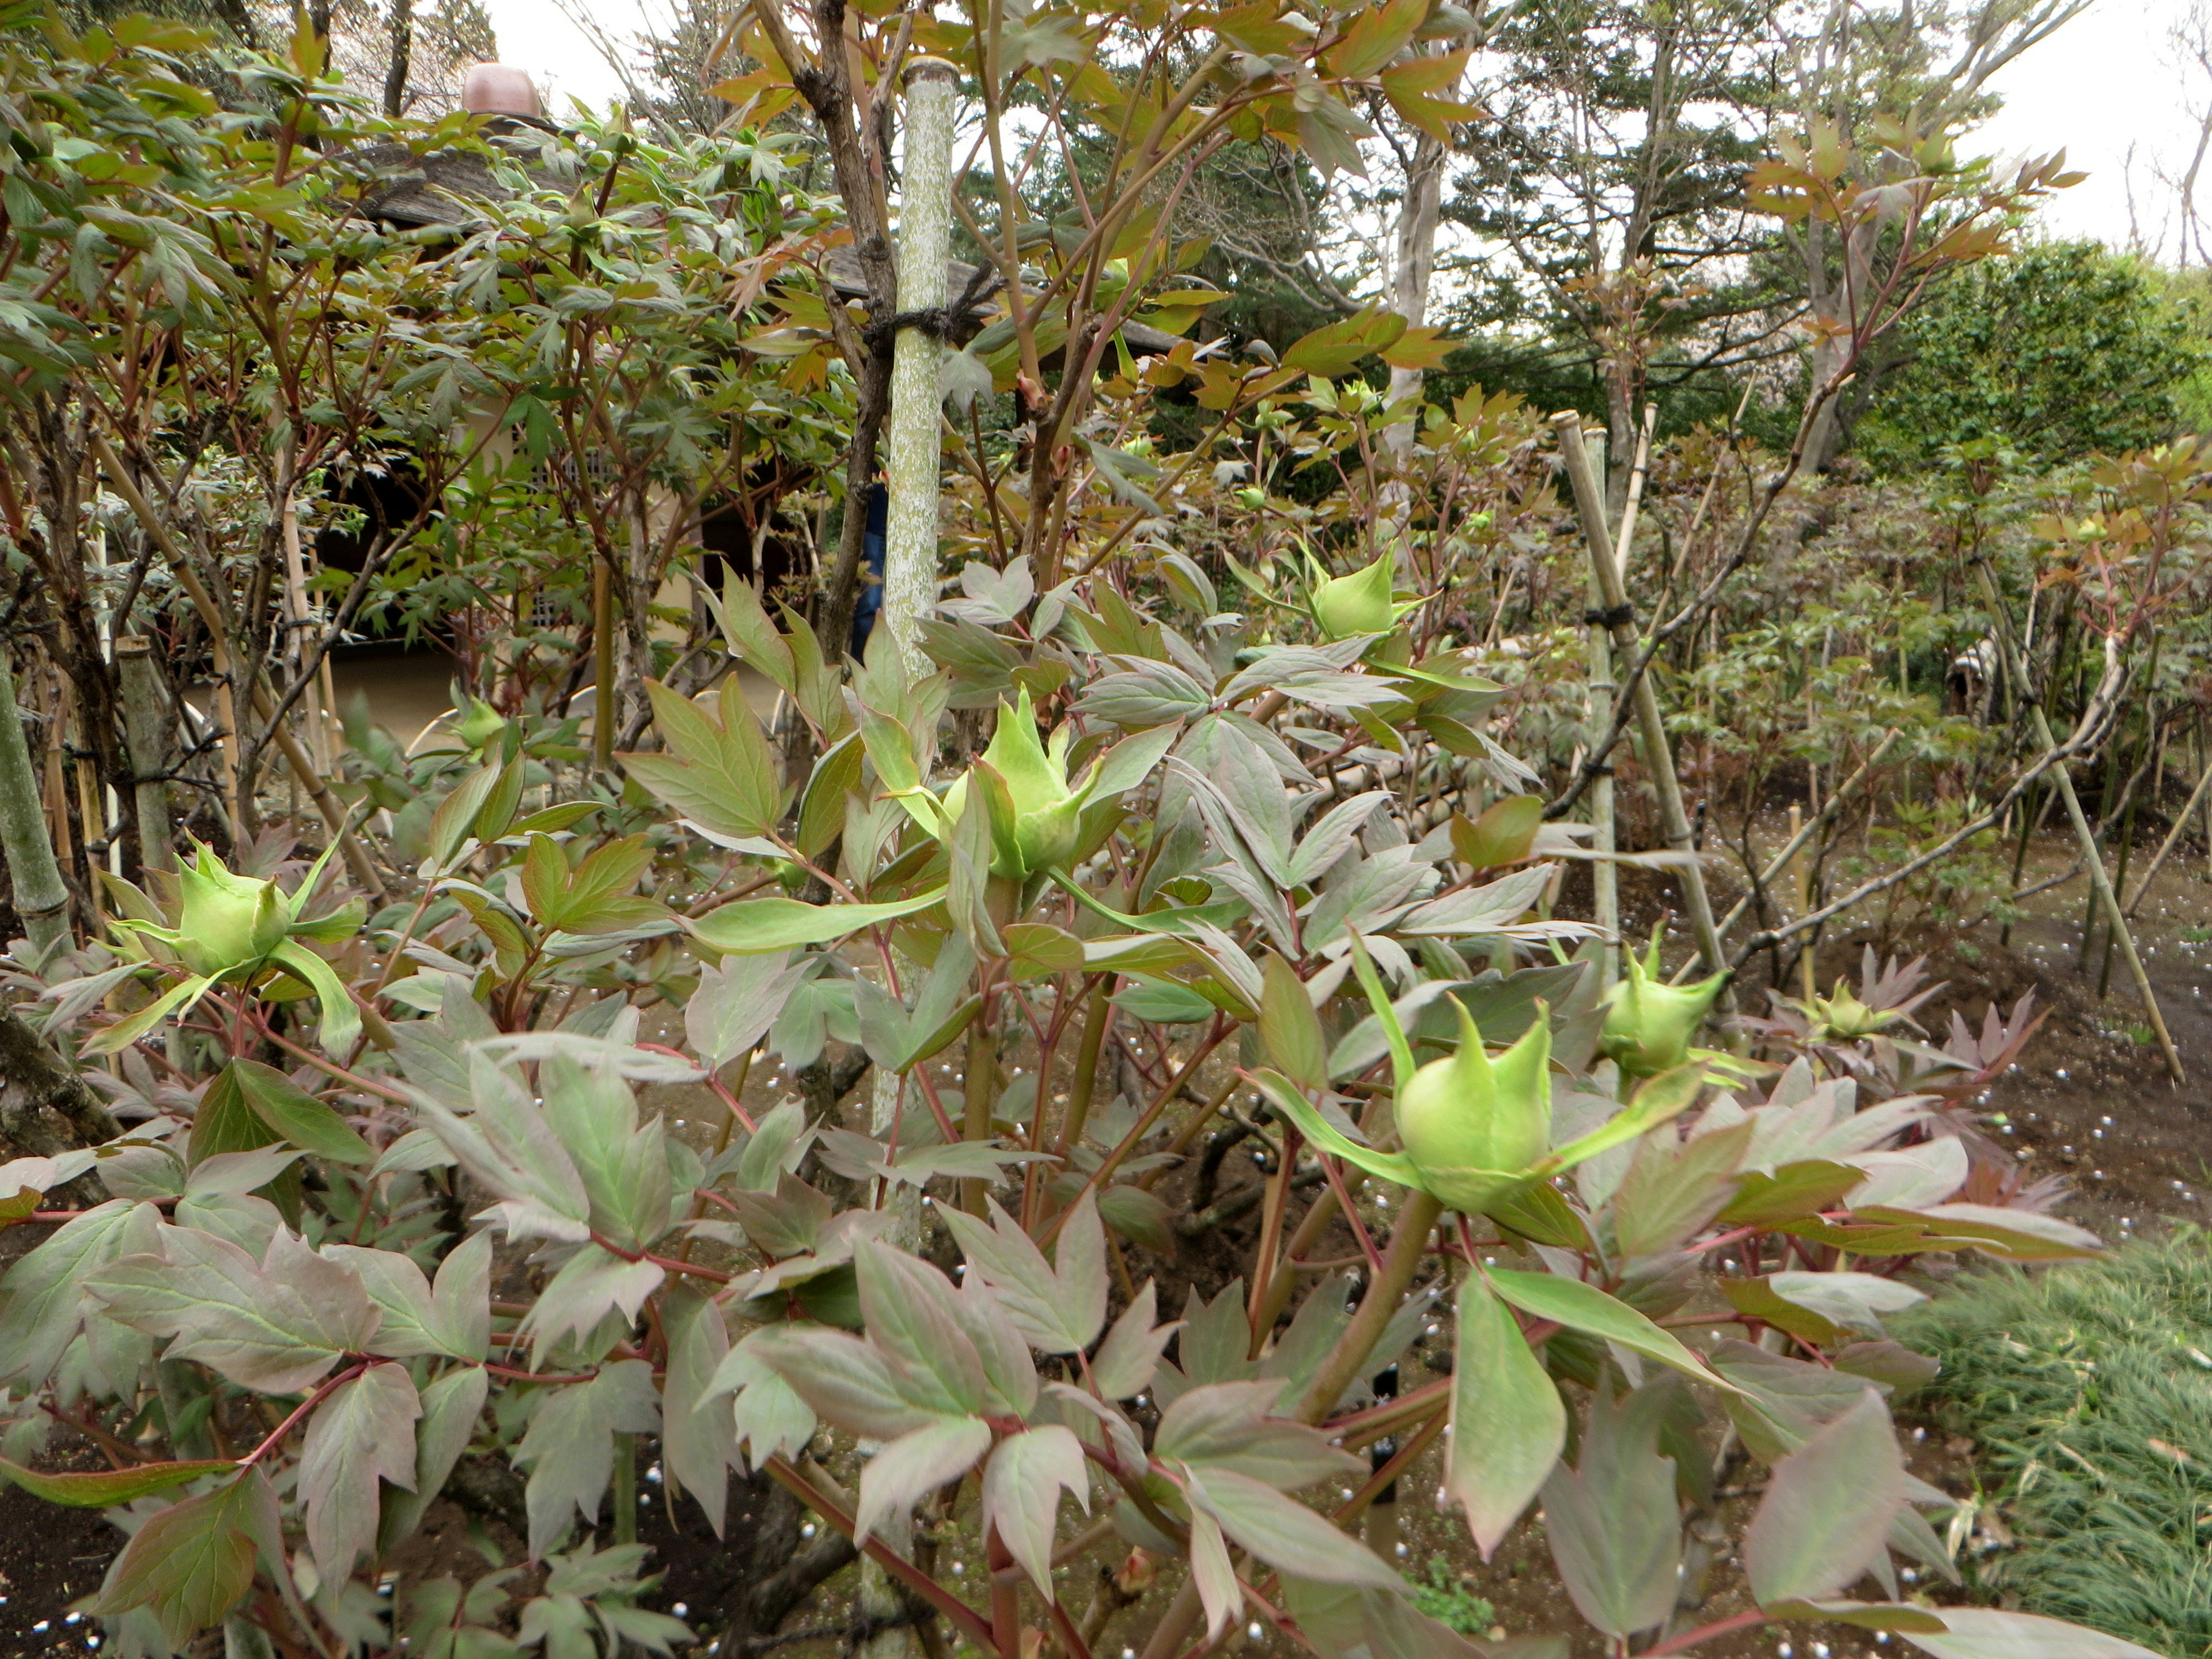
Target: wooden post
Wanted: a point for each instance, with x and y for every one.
(41, 900)
(142, 734)
(2091, 857)
(1627, 642)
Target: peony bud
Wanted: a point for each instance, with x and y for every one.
(1358, 604)
(1648, 1024)
(227, 921)
(1473, 1126)
(1047, 813)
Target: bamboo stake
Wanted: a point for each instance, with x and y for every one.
(301, 615)
(141, 724)
(1801, 876)
(56, 768)
(2090, 854)
(41, 900)
(2180, 823)
(1605, 875)
(1658, 757)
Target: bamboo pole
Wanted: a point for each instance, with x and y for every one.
(142, 727)
(1658, 757)
(2165, 847)
(302, 615)
(2098, 881)
(41, 900)
(1605, 875)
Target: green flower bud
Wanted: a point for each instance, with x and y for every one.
(1648, 1024)
(1844, 1018)
(482, 724)
(1046, 811)
(1473, 1126)
(1358, 604)
(227, 921)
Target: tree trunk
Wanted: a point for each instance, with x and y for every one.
(915, 448)
(401, 27)
(1416, 262)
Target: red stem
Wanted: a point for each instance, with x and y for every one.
(965, 1617)
(277, 1434)
(1689, 1639)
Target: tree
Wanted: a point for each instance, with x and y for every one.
(2058, 350)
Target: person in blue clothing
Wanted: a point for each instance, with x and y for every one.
(871, 599)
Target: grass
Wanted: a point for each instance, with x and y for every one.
(2087, 1392)
(1448, 1601)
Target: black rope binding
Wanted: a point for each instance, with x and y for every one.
(1615, 617)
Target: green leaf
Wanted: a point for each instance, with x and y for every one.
(1290, 1031)
(456, 817)
(699, 1442)
(835, 777)
(1586, 1307)
(1325, 1138)
(1059, 1310)
(1126, 1360)
(1662, 1097)
(1502, 834)
(496, 816)
(1219, 1591)
(719, 773)
(915, 1464)
(1022, 1485)
(841, 1378)
(1282, 1532)
(1509, 1425)
(277, 1327)
(295, 1115)
(451, 1406)
(45, 1305)
(751, 635)
(1790, 1193)
(1332, 349)
(100, 1489)
(1225, 1427)
(569, 1450)
(363, 1432)
(1989, 1633)
(737, 1003)
(1827, 1511)
(1378, 35)
(1613, 1525)
(906, 1305)
(194, 1561)
(754, 927)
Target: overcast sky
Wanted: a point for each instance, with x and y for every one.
(2099, 86)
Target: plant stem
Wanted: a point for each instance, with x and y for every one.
(1416, 1218)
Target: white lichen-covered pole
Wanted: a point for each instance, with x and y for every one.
(913, 435)
(41, 900)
